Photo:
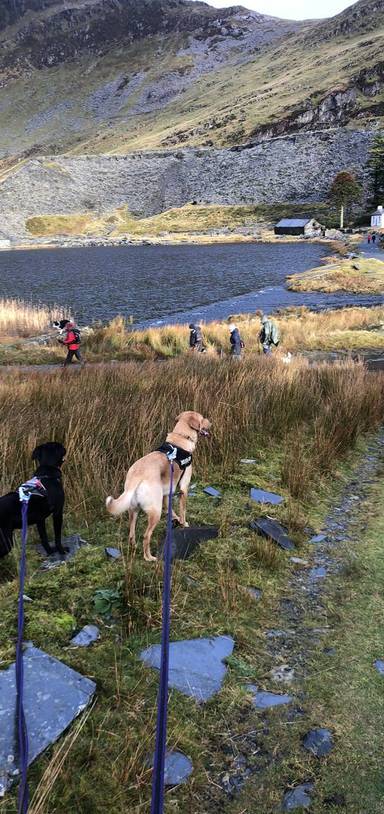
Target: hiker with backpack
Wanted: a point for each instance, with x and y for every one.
(196, 341)
(237, 344)
(269, 335)
(71, 340)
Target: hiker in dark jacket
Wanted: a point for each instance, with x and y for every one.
(235, 340)
(72, 340)
(196, 341)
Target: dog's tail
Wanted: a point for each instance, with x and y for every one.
(120, 505)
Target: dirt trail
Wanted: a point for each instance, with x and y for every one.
(374, 361)
(300, 627)
(302, 623)
(344, 523)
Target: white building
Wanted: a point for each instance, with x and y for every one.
(377, 219)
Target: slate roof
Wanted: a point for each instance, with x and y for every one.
(294, 222)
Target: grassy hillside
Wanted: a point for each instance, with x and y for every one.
(187, 220)
(163, 91)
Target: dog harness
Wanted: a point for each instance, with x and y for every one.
(176, 454)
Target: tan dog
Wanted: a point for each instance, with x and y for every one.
(148, 480)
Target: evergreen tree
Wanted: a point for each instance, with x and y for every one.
(376, 170)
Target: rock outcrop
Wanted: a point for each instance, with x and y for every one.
(52, 32)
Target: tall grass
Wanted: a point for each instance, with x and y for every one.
(108, 417)
(300, 330)
(20, 318)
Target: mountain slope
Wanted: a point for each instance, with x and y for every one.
(59, 31)
(99, 76)
(71, 67)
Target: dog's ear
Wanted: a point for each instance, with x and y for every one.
(36, 454)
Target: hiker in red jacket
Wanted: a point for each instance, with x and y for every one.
(72, 341)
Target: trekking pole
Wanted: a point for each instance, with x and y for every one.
(32, 487)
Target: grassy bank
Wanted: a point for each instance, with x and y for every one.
(349, 329)
(176, 223)
(360, 276)
(299, 424)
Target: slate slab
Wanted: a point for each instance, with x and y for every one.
(89, 634)
(186, 540)
(195, 665)
(260, 496)
(298, 797)
(266, 700)
(318, 538)
(212, 492)
(318, 573)
(272, 530)
(319, 742)
(177, 768)
(379, 664)
(54, 695)
(74, 543)
(113, 553)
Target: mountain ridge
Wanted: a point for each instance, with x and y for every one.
(179, 73)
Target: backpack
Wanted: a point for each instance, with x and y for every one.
(77, 335)
(275, 334)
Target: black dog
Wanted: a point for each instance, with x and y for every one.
(50, 458)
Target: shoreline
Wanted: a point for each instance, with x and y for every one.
(183, 239)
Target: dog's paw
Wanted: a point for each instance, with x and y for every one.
(186, 525)
(150, 558)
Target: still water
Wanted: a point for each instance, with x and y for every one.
(157, 284)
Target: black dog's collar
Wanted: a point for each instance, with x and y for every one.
(176, 454)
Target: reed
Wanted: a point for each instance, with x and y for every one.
(23, 319)
(109, 416)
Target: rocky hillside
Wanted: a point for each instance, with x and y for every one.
(100, 76)
(125, 88)
(51, 32)
(72, 68)
(291, 169)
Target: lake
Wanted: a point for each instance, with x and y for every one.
(164, 284)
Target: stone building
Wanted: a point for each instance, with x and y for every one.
(307, 227)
